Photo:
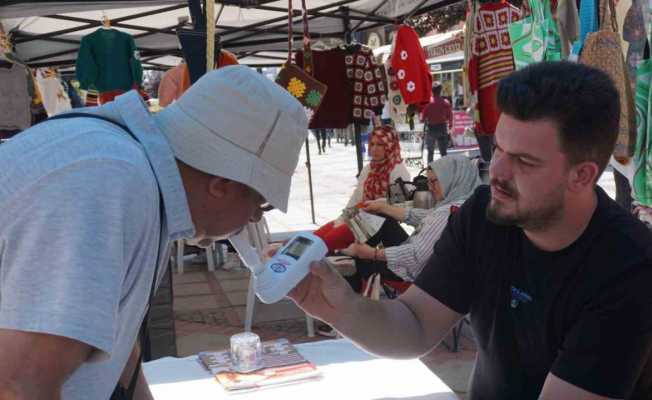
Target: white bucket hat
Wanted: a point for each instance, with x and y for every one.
(237, 124)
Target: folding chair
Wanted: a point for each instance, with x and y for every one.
(211, 252)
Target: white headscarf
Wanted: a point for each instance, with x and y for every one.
(458, 178)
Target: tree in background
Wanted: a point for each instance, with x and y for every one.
(443, 19)
(440, 20)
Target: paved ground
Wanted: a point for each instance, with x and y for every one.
(209, 307)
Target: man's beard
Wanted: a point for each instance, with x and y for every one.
(540, 216)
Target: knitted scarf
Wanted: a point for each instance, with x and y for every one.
(377, 182)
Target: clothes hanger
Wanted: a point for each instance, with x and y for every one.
(106, 21)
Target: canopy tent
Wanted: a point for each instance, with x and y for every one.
(47, 33)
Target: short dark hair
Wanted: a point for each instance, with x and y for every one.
(436, 90)
(582, 101)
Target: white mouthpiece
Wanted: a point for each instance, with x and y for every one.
(249, 255)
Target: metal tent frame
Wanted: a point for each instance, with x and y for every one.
(48, 33)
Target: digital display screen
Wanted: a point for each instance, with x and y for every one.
(297, 247)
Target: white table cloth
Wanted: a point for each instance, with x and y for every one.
(348, 373)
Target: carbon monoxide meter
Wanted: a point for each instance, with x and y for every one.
(290, 264)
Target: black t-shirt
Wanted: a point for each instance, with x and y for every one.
(583, 313)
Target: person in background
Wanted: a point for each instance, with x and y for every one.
(321, 135)
(385, 166)
(555, 276)
(438, 116)
(451, 180)
(177, 80)
(91, 203)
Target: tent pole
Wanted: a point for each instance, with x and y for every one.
(308, 165)
(279, 19)
(357, 133)
(87, 26)
(358, 145)
(209, 10)
(373, 12)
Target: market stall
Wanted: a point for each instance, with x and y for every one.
(75, 38)
(50, 34)
(55, 34)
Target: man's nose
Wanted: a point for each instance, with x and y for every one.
(500, 167)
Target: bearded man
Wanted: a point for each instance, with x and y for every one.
(553, 274)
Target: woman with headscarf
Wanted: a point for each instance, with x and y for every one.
(384, 168)
(452, 180)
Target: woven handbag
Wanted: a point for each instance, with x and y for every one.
(299, 82)
(535, 38)
(528, 36)
(602, 50)
(553, 40)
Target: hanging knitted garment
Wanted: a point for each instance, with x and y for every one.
(491, 59)
(643, 154)
(409, 63)
(369, 84)
(397, 107)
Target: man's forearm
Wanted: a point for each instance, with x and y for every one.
(365, 319)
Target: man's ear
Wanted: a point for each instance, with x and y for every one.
(583, 175)
(218, 187)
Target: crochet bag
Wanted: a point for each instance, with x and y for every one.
(642, 183)
(528, 36)
(602, 50)
(535, 38)
(299, 82)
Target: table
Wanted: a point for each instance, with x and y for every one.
(348, 373)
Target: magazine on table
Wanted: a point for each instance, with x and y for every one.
(282, 364)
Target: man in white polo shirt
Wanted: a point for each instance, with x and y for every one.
(89, 206)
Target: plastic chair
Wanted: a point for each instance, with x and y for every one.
(211, 252)
(260, 237)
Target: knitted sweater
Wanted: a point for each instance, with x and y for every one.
(369, 84)
(330, 69)
(491, 59)
(177, 80)
(108, 60)
(409, 63)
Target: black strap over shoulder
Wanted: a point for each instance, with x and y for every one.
(94, 116)
(121, 393)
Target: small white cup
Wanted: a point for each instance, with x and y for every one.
(246, 352)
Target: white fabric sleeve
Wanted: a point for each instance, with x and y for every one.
(356, 196)
(407, 260)
(67, 250)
